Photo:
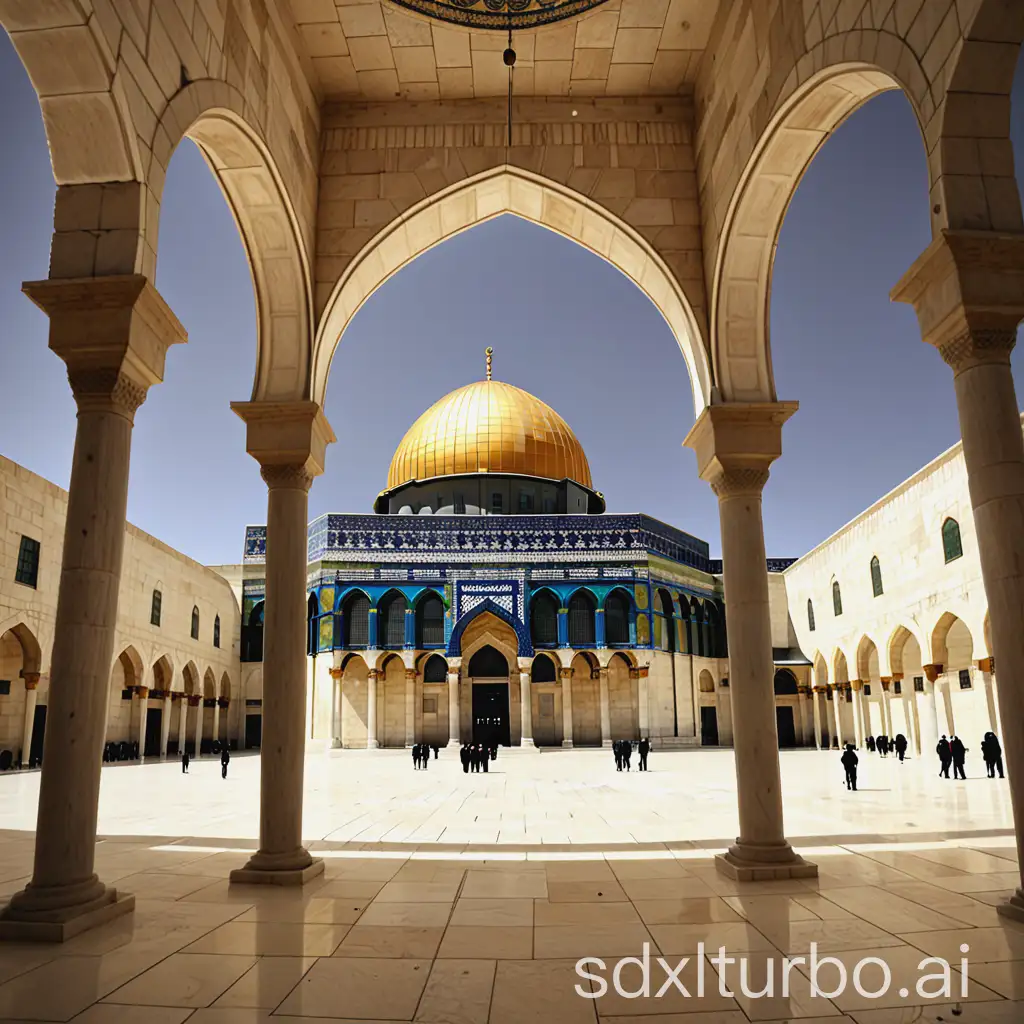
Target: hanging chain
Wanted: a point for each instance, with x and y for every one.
(509, 57)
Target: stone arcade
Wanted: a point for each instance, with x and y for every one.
(667, 137)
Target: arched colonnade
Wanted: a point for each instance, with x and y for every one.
(112, 329)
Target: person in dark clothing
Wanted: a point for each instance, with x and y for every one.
(617, 751)
(945, 756)
(435, 751)
(900, 743)
(959, 754)
(485, 758)
(992, 752)
(225, 757)
(416, 756)
(464, 757)
(494, 752)
(643, 749)
(850, 760)
(882, 745)
(474, 757)
(870, 741)
(627, 753)
(184, 762)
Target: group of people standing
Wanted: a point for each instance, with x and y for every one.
(623, 751)
(952, 754)
(476, 757)
(884, 745)
(421, 755)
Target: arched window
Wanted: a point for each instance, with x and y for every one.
(810, 615)
(430, 621)
(542, 670)
(616, 619)
(252, 635)
(391, 620)
(952, 548)
(195, 622)
(544, 620)
(216, 631)
(785, 683)
(155, 608)
(488, 663)
(581, 620)
(312, 624)
(715, 635)
(664, 604)
(697, 630)
(355, 612)
(837, 599)
(876, 576)
(435, 670)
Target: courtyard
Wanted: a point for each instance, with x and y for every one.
(469, 898)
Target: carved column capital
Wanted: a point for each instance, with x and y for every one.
(736, 443)
(336, 673)
(31, 680)
(565, 673)
(112, 333)
(967, 289)
(986, 665)
(932, 672)
(142, 692)
(410, 675)
(373, 674)
(287, 439)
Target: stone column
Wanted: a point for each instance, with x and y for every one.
(200, 712)
(526, 704)
(930, 725)
(288, 440)
(804, 706)
(985, 668)
(454, 729)
(566, 676)
(337, 698)
(836, 722)
(858, 712)
(113, 334)
(28, 726)
(165, 722)
(410, 706)
(816, 699)
(968, 291)
(735, 446)
(182, 723)
(142, 692)
(216, 719)
(606, 708)
(886, 682)
(372, 743)
(642, 699)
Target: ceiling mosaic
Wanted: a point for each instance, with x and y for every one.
(500, 14)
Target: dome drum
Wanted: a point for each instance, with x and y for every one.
(490, 494)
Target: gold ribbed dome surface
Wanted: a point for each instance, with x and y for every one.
(489, 427)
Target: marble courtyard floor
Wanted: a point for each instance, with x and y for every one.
(469, 899)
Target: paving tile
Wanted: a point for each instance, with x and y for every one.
(539, 992)
(688, 911)
(418, 892)
(266, 983)
(390, 940)
(985, 945)
(511, 885)
(271, 939)
(422, 915)
(554, 941)
(585, 892)
(547, 913)
(363, 988)
(314, 911)
(685, 938)
(495, 913)
(185, 979)
(510, 943)
(457, 992)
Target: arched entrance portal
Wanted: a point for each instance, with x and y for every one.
(488, 670)
(490, 698)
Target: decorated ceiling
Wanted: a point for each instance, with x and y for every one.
(500, 14)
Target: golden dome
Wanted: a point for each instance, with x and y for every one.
(489, 427)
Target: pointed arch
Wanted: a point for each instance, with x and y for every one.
(391, 609)
(582, 606)
(543, 669)
(618, 614)
(225, 687)
(544, 606)
(820, 669)
(435, 669)
(163, 673)
(487, 606)
(190, 674)
(866, 647)
(355, 619)
(31, 653)
(481, 197)
(209, 684)
(429, 611)
(132, 666)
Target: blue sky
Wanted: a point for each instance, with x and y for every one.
(876, 403)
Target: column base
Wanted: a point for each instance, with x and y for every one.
(278, 869)
(26, 924)
(1013, 908)
(372, 745)
(566, 743)
(527, 744)
(335, 744)
(747, 862)
(606, 744)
